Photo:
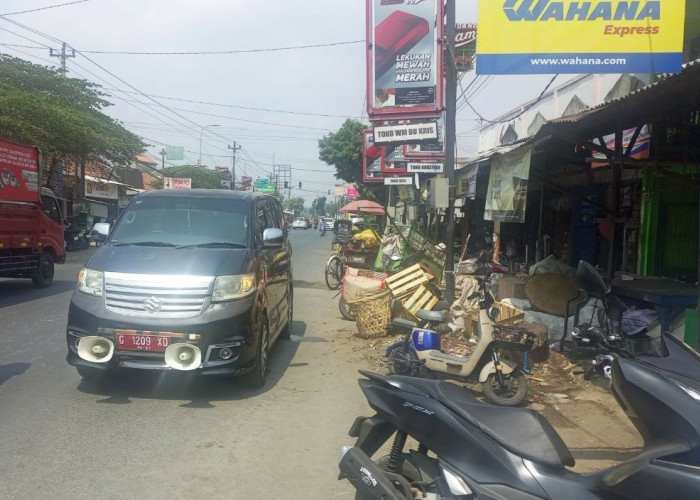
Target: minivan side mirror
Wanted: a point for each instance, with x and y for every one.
(272, 238)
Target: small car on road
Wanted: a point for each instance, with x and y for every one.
(299, 223)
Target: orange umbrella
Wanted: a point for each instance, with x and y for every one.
(363, 206)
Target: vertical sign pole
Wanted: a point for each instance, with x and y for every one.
(450, 132)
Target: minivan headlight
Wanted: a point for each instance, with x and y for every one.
(90, 281)
(233, 287)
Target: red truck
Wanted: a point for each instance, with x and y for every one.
(31, 224)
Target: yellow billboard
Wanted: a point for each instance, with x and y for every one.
(570, 36)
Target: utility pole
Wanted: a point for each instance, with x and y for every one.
(235, 148)
(63, 55)
(450, 136)
(162, 154)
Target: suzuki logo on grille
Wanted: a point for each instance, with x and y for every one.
(152, 304)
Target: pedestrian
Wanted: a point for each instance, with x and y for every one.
(322, 227)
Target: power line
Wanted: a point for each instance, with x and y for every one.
(44, 8)
(11, 45)
(219, 52)
(222, 105)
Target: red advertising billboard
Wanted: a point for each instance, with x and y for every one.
(19, 172)
(372, 158)
(404, 58)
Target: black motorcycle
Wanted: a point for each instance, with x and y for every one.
(483, 451)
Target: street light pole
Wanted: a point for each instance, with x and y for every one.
(201, 134)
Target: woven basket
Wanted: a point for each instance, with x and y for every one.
(372, 314)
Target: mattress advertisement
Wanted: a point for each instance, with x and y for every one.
(404, 58)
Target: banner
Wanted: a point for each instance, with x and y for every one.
(404, 58)
(568, 36)
(506, 196)
(19, 172)
(640, 150)
(466, 181)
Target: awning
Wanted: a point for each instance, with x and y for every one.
(103, 181)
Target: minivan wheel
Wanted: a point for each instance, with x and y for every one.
(258, 376)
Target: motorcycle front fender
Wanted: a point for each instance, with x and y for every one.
(393, 346)
(507, 367)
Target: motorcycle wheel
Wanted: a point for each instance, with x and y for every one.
(345, 309)
(403, 361)
(406, 469)
(512, 393)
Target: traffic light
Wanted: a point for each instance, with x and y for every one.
(299, 184)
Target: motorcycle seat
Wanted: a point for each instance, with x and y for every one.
(433, 316)
(521, 431)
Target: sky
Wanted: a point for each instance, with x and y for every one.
(296, 74)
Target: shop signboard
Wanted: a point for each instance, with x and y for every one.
(406, 132)
(398, 181)
(557, 37)
(177, 183)
(404, 58)
(339, 189)
(372, 158)
(101, 189)
(465, 46)
(431, 149)
(351, 191)
(425, 167)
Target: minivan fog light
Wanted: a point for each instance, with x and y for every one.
(233, 287)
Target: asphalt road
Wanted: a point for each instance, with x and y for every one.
(171, 435)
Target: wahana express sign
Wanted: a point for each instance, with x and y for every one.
(568, 36)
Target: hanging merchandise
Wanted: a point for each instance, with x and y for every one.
(507, 191)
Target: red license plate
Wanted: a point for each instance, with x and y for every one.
(145, 341)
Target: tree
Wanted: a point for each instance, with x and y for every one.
(295, 205)
(318, 207)
(201, 177)
(63, 116)
(343, 149)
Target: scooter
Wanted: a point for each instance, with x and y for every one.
(419, 354)
(482, 451)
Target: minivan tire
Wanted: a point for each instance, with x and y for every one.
(257, 378)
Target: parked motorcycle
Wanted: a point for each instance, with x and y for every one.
(419, 354)
(483, 451)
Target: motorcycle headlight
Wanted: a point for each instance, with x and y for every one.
(90, 281)
(233, 287)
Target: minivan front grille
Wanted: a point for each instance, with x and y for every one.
(156, 296)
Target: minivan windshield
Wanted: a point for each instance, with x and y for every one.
(183, 222)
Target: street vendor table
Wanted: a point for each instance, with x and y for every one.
(669, 297)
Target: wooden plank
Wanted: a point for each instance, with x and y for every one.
(422, 303)
(409, 302)
(418, 275)
(410, 286)
(403, 273)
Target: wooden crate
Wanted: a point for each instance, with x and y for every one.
(405, 282)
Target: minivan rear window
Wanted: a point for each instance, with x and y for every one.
(183, 222)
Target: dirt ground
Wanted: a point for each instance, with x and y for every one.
(584, 413)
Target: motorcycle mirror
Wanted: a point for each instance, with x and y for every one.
(494, 312)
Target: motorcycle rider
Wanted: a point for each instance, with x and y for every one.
(322, 227)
